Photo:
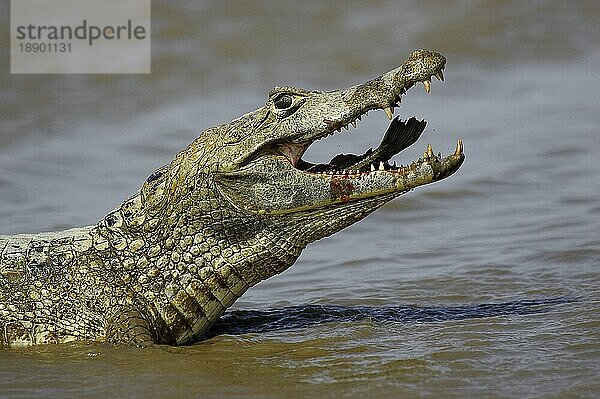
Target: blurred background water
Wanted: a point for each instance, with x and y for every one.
(483, 285)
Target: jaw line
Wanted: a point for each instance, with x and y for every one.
(379, 185)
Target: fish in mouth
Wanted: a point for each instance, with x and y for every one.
(399, 136)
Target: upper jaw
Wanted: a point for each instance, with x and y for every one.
(336, 110)
(386, 91)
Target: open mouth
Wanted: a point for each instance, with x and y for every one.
(400, 135)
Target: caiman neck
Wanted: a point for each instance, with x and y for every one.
(189, 265)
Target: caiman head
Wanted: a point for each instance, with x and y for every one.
(255, 166)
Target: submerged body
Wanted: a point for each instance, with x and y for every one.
(234, 208)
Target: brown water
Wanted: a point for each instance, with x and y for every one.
(484, 285)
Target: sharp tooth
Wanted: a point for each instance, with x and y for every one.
(389, 111)
(427, 84)
(346, 127)
(430, 153)
(372, 168)
(354, 123)
(459, 148)
(381, 167)
(339, 129)
(440, 75)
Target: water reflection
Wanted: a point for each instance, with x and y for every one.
(240, 322)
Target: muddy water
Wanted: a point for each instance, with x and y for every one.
(483, 285)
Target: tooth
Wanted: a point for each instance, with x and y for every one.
(459, 148)
(440, 75)
(346, 127)
(430, 153)
(354, 123)
(372, 168)
(427, 84)
(389, 111)
(339, 129)
(381, 167)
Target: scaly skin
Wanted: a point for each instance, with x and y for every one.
(236, 207)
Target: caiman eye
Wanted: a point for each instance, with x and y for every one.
(283, 101)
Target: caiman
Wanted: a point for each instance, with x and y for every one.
(236, 207)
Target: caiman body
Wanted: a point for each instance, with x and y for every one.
(236, 207)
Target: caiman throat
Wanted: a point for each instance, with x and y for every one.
(236, 207)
